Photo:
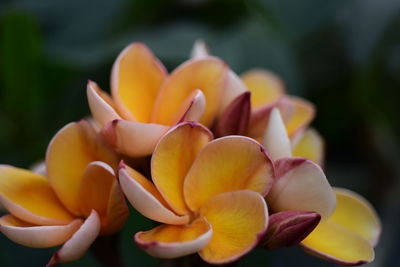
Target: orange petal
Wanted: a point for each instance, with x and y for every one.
(135, 81)
(199, 50)
(296, 112)
(145, 198)
(193, 107)
(28, 196)
(238, 219)
(310, 145)
(208, 75)
(172, 159)
(301, 185)
(265, 87)
(69, 152)
(95, 193)
(356, 214)
(134, 139)
(172, 241)
(228, 164)
(276, 140)
(30, 235)
(80, 242)
(100, 105)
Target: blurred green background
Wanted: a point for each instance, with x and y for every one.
(343, 55)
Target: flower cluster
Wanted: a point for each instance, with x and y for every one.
(233, 166)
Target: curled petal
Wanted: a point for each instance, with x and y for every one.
(194, 107)
(80, 241)
(288, 228)
(100, 105)
(235, 118)
(34, 236)
(136, 78)
(199, 50)
(258, 121)
(172, 159)
(265, 87)
(228, 164)
(311, 146)
(301, 185)
(276, 140)
(207, 74)
(296, 112)
(145, 198)
(29, 197)
(172, 241)
(134, 139)
(238, 219)
(234, 87)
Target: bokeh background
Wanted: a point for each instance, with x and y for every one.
(343, 55)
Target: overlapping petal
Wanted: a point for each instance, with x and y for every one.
(228, 164)
(238, 220)
(169, 169)
(29, 197)
(171, 241)
(309, 145)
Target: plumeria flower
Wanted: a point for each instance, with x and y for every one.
(250, 98)
(78, 200)
(207, 193)
(349, 227)
(145, 101)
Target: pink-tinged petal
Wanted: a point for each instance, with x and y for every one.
(145, 198)
(172, 159)
(68, 154)
(80, 241)
(136, 78)
(301, 185)
(234, 87)
(276, 140)
(296, 112)
(199, 50)
(207, 74)
(228, 164)
(288, 228)
(28, 196)
(34, 236)
(134, 139)
(265, 87)
(96, 193)
(258, 121)
(100, 105)
(238, 219)
(235, 118)
(172, 241)
(194, 107)
(309, 145)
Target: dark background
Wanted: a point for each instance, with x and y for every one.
(343, 55)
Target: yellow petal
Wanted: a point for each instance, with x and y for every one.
(297, 113)
(34, 236)
(69, 153)
(145, 198)
(276, 140)
(80, 241)
(172, 241)
(135, 81)
(208, 75)
(301, 185)
(28, 196)
(134, 139)
(356, 214)
(238, 219)
(265, 87)
(228, 164)
(172, 159)
(101, 107)
(95, 193)
(333, 242)
(310, 146)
